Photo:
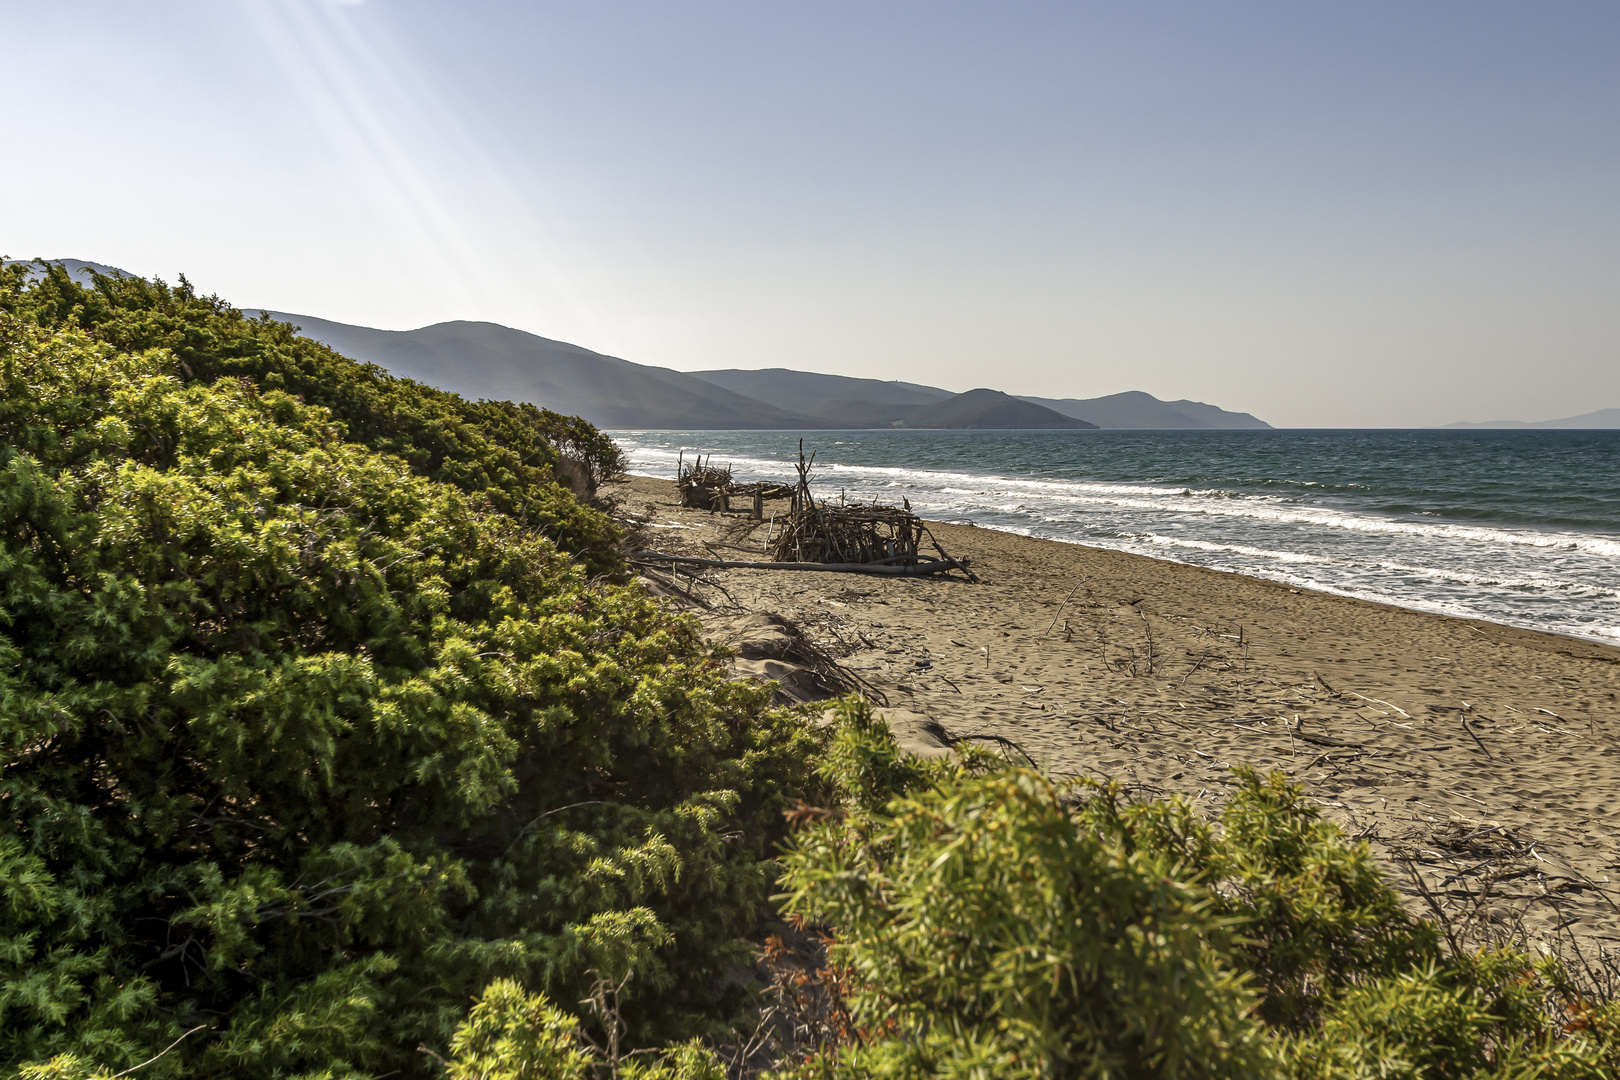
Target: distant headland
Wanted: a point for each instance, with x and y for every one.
(1604, 419)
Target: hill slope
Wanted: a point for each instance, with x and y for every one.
(1139, 410)
(77, 269)
(487, 360)
(483, 360)
(853, 402)
(988, 409)
(878, 403)
(847, 400)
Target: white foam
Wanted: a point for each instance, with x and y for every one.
(1238, 549)
(1270, 509)
(1540, 583)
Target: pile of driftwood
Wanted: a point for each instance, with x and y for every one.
(864, 538)
(704, 486)
(850, 534)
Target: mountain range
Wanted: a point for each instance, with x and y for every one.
(487, 360)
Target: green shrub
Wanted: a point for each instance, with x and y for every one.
(1481, 1015)
(1312, 913)
(992, 931)
(580, 443)
(504, 453)
(512, 1035)
(993, 923)
(303, 749)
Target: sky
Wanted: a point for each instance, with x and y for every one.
(1340, 215)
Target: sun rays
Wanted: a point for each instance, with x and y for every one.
(417, 159)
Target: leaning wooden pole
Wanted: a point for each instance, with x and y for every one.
(937, 566)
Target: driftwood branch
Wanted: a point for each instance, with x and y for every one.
(1065, 603)
(893, 568)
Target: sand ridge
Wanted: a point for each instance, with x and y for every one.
(1481, 762)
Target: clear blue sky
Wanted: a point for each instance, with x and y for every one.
(1326, 214)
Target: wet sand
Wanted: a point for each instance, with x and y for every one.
(1483, 758)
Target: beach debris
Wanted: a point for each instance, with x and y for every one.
(850, 534)
(666, 582)
(936, 566)
(860, 538)
(773, 648)
(1381, 701)
(1065, 604)
(1480, 743)
(703, 485)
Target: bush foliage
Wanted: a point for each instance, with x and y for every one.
(993, 923)
(304, 748)
(504, 453)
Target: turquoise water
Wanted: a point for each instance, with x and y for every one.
(1520, 527)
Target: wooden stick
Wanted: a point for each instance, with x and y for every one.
(1476, 739)
(1195, 667)
(1381, 701)
(1066, 599)
(919, 569)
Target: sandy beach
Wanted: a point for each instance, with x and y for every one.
(1480, 761)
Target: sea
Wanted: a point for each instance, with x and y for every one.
(1516, 527)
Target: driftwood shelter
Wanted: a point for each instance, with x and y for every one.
(862, 538)
(703, 485)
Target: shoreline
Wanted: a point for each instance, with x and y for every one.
(1415, 607)
(1435, 608)
(1414, 730)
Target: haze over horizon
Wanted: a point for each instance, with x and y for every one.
(1384, 215)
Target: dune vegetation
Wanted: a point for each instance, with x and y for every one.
(337, 741)
(325, 708)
